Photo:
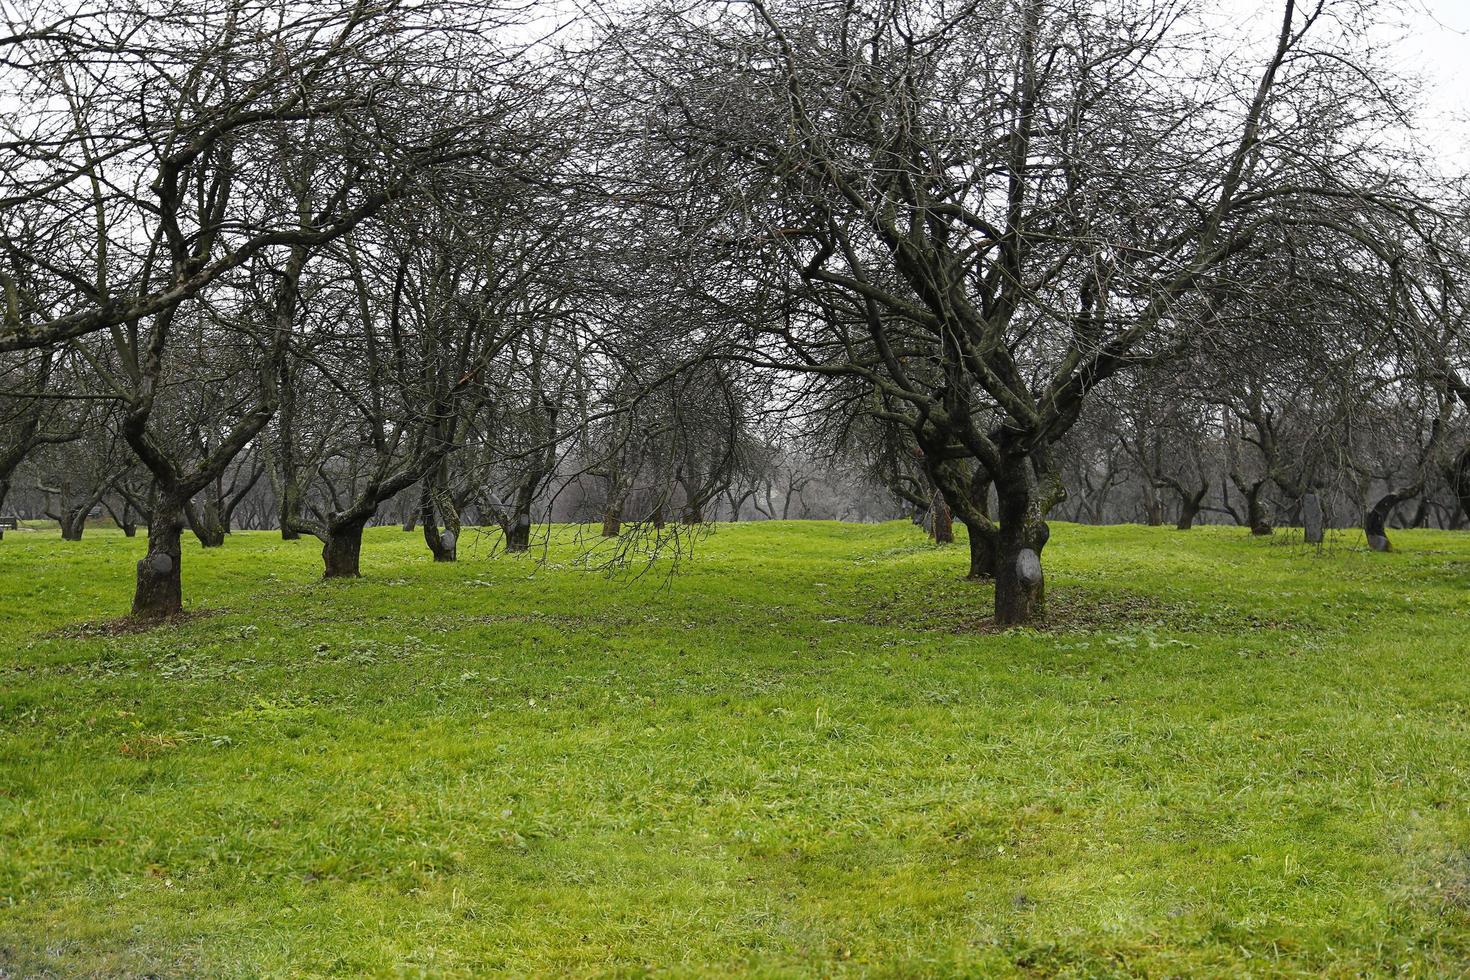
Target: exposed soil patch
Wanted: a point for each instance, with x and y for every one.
(127, 625)
(966, 610)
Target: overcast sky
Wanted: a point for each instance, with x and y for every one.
(1439, 49)
(1432, 41)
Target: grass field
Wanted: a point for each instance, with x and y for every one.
(807, 753)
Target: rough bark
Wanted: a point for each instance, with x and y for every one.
(941, 521)
(982, 548)
(73, 523)
(1020, 586)
(159, 591)
(343, 549)
(443, 546)
(205, 522)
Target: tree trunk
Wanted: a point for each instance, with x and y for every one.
(1458, 476)
(1189, 507)
(1020, 587)
(73, 523)
(1313, 526)
(343, 549)
(1255, 510)
(942, 528)
(658, 516)
(982, 549)
(159, 592)
(1377, 517)
(612, 520)
(518, 533)
(289, 509)
(442, 546)
(206, 524)
(1153, 508)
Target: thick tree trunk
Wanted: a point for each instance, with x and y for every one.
(159, 591)
(612, 520)
(658, 516)
(73, 523)
(343, 550)
(1020, 587)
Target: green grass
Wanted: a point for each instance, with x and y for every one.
(806, 754)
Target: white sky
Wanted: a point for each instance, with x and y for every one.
(1437, 48)
(1427, 39)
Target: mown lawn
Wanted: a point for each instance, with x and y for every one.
(804, 754)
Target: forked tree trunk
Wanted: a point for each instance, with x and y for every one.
(343, 550)
(124, 520)
(1189, 507)
(443, 546)
(206, 525)
(73, 523)
(159, 591)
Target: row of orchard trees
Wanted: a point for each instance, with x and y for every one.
(992, 252)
